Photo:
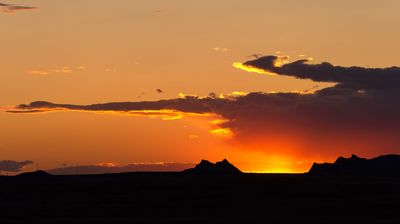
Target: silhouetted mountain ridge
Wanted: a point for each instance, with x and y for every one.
(205, 167)
(382, 165)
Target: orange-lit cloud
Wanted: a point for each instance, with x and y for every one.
(218, 121)
(59, 70)
(239, 93)
(278, 62)
(109, 164)
(225, 132)
(39, 72)
(219, 49)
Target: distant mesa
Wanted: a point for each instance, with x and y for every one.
(387, 165)
(40, 174)
(220, 168)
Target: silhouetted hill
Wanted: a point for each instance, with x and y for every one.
(382, 165)
(207, 168)
(35, 175)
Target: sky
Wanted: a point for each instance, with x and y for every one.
(173, 54)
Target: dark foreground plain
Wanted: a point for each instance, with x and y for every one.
(183, 198)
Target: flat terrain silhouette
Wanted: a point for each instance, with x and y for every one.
(193, 197)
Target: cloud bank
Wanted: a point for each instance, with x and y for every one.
(13, 166)
(112, 168)
(351, 77)
(360, 114)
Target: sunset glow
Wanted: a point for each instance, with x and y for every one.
(226, 132)
(149, 81)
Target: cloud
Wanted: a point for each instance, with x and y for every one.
(39, 72)
(10, 8)
(354, 77)
(187, 104)
(221, 49)
(13, 166)
(359, 113)
(115, 168)
(66, 70)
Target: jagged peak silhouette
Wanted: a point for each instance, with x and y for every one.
(206, 167)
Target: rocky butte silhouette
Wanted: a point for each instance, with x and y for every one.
(386, 165)
(205, 167)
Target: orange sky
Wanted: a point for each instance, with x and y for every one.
(85, 52)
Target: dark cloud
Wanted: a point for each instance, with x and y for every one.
(188, 104)
(13, 166)
(13, 8)
(335, 121)
(351, 77)
(360, 113)
(106, 168)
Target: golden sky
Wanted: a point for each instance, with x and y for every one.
(96, 51)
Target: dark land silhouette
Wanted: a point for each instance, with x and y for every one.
(209, 193)
(387, 165)
(36, 175)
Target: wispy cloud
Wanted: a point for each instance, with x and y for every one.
(221, 49)
(11, 8)
(58, 70)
